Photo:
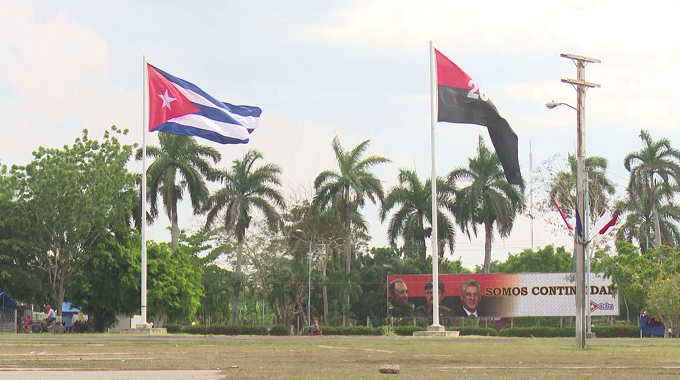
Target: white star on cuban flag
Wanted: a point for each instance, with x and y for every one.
(166, 99)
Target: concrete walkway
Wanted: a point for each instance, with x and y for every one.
(29, 374)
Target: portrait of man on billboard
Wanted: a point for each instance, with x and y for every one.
(470, 297)
(399, 307)
(425, 311)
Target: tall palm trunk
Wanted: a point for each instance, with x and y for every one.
(347, 254)
(657, 223)
(488, 229)
(422, 241)
(237, 283)
(324, 268)
(346, 260)
(174, 232)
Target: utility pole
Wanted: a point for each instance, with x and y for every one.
(581, 86)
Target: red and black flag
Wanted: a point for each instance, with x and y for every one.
(462, 101)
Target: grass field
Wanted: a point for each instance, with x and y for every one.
(246, 357)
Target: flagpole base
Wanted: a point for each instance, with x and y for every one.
(145, 328)
(436, 330)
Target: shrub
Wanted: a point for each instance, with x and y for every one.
(407, 330)
(278, 330)
(527, 332)
(225, 330)
(473, 330)
(173, 328)
(195, 329)
(616, 331)
(352, 330)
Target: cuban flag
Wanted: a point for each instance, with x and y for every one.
(180, 107)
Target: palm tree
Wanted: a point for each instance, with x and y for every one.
(639, 222)
(488, 199)
(348, 189)
(414, 202)
(181, 155)
(562, 187)
(245, 189)
(656, 163)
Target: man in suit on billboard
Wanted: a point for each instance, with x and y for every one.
(470, 296)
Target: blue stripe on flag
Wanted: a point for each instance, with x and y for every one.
(179, 129)
(215, 114)
(244, 110)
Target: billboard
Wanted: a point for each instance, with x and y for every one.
(501, 295)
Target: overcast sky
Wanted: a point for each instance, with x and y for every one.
(355, 69)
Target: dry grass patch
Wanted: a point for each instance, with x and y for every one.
(246, 357)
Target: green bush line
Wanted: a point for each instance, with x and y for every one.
(604, 331)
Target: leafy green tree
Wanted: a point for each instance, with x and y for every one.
(107, 283)
(638, 224)
(6, 188)
(662, 303)
(244, 189)
(324, 228)
(455, 266)
(488, 199)
(343, 286)
(413, 200)
(656, 163)
(174, 289)
(72, 198)
(546, 259)
(178, 156)
(217, 287)
(347, 190)
(20, 273)
(634, 274)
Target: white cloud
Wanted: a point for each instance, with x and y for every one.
(589, 25)
(61, 74)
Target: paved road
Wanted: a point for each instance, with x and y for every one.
(24, 374)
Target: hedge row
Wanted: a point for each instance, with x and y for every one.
(353, 330)
(603, 331)
(218, 329)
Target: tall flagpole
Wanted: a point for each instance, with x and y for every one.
(145, 127)
(435, 250)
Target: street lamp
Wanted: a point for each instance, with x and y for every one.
(552, 104)
(309, 281)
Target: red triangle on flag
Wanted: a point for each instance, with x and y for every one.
(593, 306)
(165, 100)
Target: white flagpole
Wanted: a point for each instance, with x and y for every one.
(145, 89)
(435, 251)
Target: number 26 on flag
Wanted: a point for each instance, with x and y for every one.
(476, 92)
